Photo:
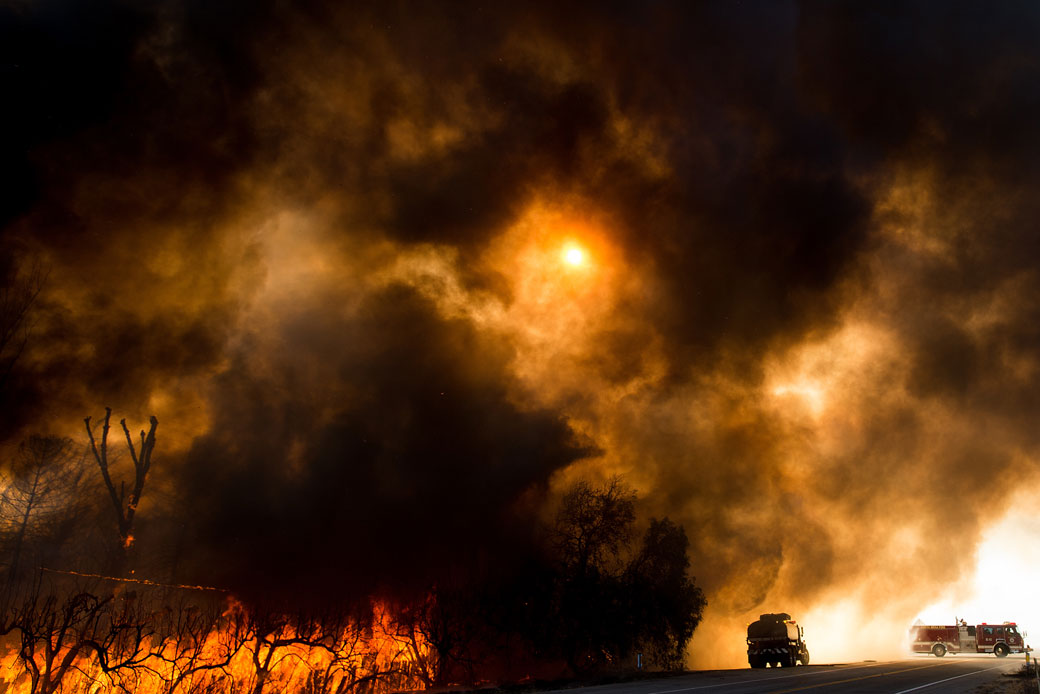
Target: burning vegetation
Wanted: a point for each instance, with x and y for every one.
(581, 597)
(75, 635)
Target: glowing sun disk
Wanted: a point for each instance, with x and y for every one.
(574, 256)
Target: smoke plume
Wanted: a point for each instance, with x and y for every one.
(322, 244)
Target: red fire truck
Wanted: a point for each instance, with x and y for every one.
(998, 639)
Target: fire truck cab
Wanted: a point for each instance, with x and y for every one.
(998, 639)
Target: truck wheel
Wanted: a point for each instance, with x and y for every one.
(1000, 650)
(938, 650)
(804, 657)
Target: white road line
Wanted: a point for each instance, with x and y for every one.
(770, 679)
(931, 684)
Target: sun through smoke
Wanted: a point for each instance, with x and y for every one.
(574, 256)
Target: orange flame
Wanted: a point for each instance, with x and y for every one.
(235, 653)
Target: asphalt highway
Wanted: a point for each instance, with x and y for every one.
(924, 674)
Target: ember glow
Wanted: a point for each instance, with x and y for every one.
(393, 278)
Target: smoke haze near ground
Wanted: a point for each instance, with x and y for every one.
(323, 244)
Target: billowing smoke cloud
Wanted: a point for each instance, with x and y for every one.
(390, 453)
(320, 243)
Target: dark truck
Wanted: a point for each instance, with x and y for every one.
(777, 640)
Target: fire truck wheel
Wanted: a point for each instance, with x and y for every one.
(804, 657)
(1000, 650)
(939, 650)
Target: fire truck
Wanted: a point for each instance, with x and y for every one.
(998, 639)
(776, 639)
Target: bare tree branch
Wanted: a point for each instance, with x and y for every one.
(102, 461)
(125, 508)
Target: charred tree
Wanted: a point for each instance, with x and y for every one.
(61, 635)
(195, 642)
(344, 650)
(124, 504)
(360, 656)
(267, 635)
(439, 630)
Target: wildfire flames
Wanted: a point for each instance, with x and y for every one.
(193, 650)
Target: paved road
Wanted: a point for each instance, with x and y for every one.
(924, 674)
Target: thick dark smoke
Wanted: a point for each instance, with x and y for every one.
(301, 235)
(415, 460)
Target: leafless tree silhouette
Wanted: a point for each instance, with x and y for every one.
(65, 633)
(191, 645)
(124, 505)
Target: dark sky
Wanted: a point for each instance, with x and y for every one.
(323, 244)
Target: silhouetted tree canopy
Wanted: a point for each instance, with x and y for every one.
(585, 596)
(592, 525)
(666, 604)
(615, 599)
